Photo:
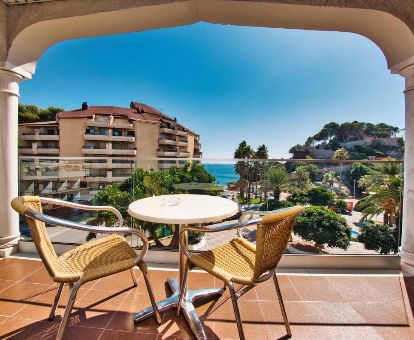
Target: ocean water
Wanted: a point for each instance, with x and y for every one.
(224, 173)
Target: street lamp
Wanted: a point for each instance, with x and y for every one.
(354, 187)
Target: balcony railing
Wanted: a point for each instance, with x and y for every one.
(40, 137)
(95, 151)
(109, 124)
(326, 186)
(109, 138)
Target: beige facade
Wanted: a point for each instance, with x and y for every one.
(71, 132)
(147, 144)
(106, 144)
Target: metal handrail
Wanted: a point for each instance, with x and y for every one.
(85, 227)
(214, 229)
(84, 207)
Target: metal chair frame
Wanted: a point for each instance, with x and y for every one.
(74, 287)
(253, 219)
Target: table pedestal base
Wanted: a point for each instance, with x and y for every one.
(187, 308)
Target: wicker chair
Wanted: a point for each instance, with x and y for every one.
(90, 261)
(242, 262)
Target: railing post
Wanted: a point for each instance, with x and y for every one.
(9, 100)
(407, 237)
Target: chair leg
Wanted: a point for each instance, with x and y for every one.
(183, 288)
(151, 296)
(68, 310)
(282, 306)
(55, 302)
(233, 296)
(134, 278)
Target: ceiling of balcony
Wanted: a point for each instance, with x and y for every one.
(22, 2)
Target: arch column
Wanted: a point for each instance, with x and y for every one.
(407, 236)
(9, 99)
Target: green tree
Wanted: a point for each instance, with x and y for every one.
(276, 180)
(324, 227)
(262, 152)
(320, 196)
(32, 113)
(144, 183)
(243, 168)
(379, 237)
(305, 174)
(330, 178)
(302, 177)
(357, 171)
(386, 183)
(340, 154)
(275, 205)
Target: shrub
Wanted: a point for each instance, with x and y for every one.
(361, 204)
(275, 205)
(324, 227)
(298, 197)
(340, 204)
(379, 237)
(320, 196)
(343, 193)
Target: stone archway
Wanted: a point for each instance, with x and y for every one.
(26, 31)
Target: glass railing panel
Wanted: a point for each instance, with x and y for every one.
(350, 207)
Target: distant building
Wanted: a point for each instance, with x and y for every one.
(114, 140)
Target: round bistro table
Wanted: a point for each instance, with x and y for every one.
(189, 209)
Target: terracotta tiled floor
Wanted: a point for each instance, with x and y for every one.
(318, 306)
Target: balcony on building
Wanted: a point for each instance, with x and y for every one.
(123, 149)
(95, 149)
(40, 148)
(104, 121)
(166, 164)
(167, 130)
(109, 135)
(39, 137)
(168, 153)
(167, 139)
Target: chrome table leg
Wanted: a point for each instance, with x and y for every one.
(187, 307)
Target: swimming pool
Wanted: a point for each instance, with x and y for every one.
(355, 233)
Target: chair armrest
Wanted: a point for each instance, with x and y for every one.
(84, 207)
(95, 229)
(215, 229)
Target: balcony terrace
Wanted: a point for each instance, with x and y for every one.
(321, 305)
(90, 151)
(39, 137)
(109, 124)
(109, 138)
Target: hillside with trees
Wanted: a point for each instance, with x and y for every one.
(362, 141)
(32, 113)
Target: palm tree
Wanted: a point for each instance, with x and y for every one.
(302, 177)
(244, 151)
(261, 153)
(330, 178)
(340, 154)
(276, 180)
(386, 183)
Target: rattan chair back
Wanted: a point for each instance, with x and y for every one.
(272, 237)
(38, 232)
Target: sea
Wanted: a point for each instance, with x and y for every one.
(224, 173)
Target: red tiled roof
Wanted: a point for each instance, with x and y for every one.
(136, 112)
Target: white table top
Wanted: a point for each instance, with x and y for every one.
(190, 210)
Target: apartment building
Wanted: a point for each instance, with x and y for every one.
(110, 140)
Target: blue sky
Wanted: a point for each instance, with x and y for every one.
(227, 83)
